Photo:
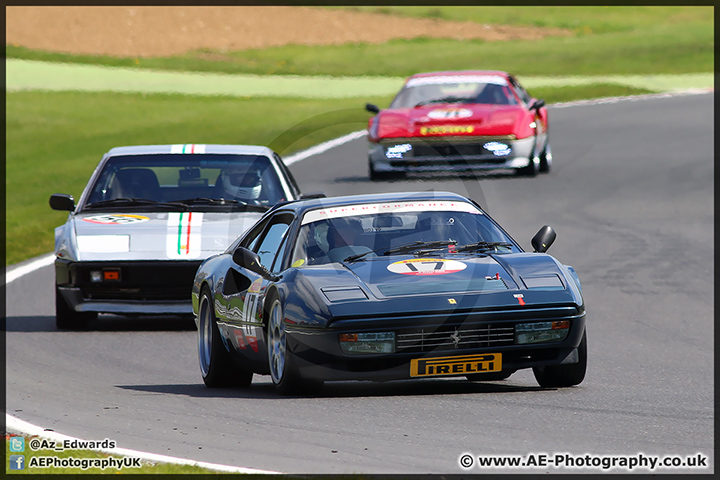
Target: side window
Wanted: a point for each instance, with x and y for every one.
(277, 263)
(252, 238)
(524, 95)
(269, 245)
(101, 190)
(287, 175)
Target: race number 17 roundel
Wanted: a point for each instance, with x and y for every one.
(426, 266)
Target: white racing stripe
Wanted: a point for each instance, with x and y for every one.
(20, 426)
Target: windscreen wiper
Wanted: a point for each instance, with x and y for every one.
(444, 100)
(417, 245)
(212, 201)
(406, 248)
(223, 201)
(482, 246)
(129, 202)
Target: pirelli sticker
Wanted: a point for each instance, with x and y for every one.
(456, 365)
(446, 129)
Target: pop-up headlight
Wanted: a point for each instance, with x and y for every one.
(381, 342)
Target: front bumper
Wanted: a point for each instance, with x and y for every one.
(142, 287)
(451, 154)
(318, 355)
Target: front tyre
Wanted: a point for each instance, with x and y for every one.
(546, 158)
(216, 366)
(285, 375)
(278, 355)
(532, 168)
(564, 375)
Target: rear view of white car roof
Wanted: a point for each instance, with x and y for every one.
(190, 148)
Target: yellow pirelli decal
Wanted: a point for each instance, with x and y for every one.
(457, 365)
(446, 129)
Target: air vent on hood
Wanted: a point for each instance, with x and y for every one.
(542, 281)
(426, 285)
(339, 294)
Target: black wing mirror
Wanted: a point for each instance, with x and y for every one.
(251, 261)
(372, 108)
(543, 239)
(537, 105)
(62, 201)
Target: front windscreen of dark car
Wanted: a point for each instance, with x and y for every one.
(419, 94)
(380, 232)
(204, 180)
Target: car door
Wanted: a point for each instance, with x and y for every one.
(243, 291)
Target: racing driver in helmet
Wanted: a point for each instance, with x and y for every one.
(240, 182)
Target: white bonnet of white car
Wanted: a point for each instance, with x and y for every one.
(103, 243)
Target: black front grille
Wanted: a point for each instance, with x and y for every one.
(451, 154)
(448, 150)
(451, 161)
(449, 338)
(139, 294)
(143, 281)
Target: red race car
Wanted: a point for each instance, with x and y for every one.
(459, 121)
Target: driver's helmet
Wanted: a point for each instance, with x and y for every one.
(240, 181)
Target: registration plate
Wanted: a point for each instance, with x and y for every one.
(456, 365)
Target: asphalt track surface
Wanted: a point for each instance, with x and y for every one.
(631, 197)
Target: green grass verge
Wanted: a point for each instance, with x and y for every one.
(581, 92)
(62, 135)
(605, 40)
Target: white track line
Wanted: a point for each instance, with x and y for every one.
(16, 425)
(17, 272)
(324, 147)
(632, 98)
